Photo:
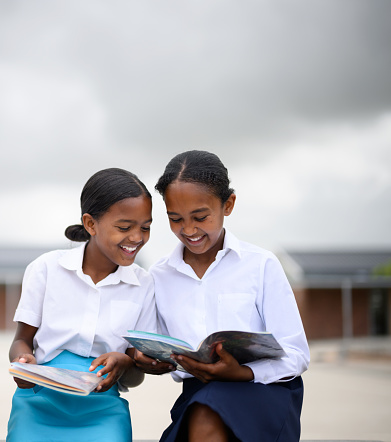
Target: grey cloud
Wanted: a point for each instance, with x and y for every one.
(211, 73)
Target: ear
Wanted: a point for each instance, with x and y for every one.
(89, 223)
(229, 204)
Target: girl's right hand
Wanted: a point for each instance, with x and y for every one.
(149, 365)
(28, 359)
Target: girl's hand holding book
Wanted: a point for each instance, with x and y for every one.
(149, 365)
(226, 369)
(29, 359)
(115, 364)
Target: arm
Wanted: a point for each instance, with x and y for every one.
(277, 306)
(21, 349)
(148, 322)
(132, 377)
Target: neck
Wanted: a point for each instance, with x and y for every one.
(96, 265)
(201, 262)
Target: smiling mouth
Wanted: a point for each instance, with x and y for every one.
(194, 239)
(128, 249)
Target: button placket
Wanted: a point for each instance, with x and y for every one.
(90, 321)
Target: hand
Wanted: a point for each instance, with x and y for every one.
(115, 364)
(149, 365)
(28, 359)
(226, 369)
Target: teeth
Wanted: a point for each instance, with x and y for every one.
(129, 249)
(195, 239)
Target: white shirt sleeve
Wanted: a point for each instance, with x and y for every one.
(277, 306)
(147, 320)
(29, 309)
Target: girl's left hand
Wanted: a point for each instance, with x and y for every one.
(226, 369)
(115, 364)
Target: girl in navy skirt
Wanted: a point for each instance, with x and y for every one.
(75, 306)
(212, 281)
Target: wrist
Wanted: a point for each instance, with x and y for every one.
(246, 374)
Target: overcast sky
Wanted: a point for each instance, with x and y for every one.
(294, 96)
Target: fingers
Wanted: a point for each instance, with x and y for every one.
(106, 383)
(151, 366)
(26, 358)
(141, 358)
(223, 369)
(223, 355)
(197, 369)
(105, 360)
(21, 383)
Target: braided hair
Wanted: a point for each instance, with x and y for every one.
(101, 191)
(199, 167)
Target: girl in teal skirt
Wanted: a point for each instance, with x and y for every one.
(75, 306)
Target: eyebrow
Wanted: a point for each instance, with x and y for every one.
(131, 221)
(202, 209)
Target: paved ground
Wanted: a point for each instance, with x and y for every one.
(345, 399)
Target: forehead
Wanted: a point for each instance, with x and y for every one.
(131, 208)
(189, 195)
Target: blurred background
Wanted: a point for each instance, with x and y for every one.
(294, 97)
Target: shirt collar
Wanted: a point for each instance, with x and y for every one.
(73, 260)
(230, 243)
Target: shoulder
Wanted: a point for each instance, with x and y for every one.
(254, 257)
(48, 258)
(248, 250)
(143, 275)
(161, 262)
(46, 264)
(163, 270)
(252, 249)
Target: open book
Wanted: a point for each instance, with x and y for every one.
(60, 379)
(243, 346)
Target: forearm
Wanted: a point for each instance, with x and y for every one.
(18, 348)
(132, 377)
(23, 342)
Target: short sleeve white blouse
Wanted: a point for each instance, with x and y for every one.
(245, 288)
(72, 313)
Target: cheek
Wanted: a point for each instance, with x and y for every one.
(146, 236)
(215, 224)
(174, 227)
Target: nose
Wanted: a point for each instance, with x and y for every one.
(188, 228)
(135, 236)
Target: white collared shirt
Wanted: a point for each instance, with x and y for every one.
(72, 313)
(245, 288)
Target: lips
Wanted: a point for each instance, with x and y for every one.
(195, 239)
(129, 250)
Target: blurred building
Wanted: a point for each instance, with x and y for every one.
(13, 263)
(341, 293)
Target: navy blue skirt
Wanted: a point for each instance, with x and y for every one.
(252, 411)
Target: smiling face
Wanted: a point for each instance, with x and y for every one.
(196, 217)
(119, 234)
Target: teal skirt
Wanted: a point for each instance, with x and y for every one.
(41, 415)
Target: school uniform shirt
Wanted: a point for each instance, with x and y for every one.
(72, 313)
(246, 289)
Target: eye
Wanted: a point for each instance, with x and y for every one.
(175, 220)
(201, 219)
(123, 229)
(146, 228)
